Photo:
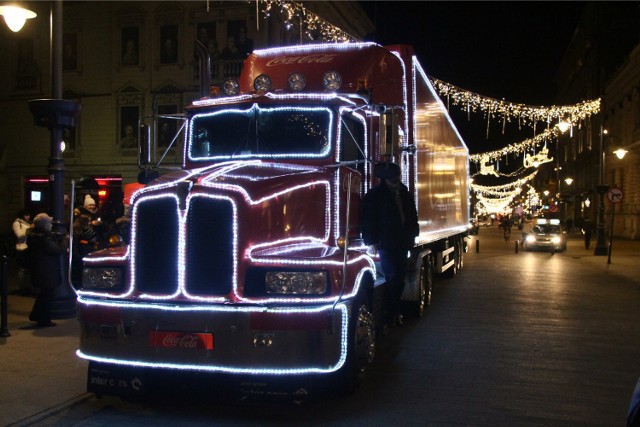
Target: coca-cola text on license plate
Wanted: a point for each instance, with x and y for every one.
(183, 340)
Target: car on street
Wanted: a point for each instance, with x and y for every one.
(546, 234)
(485, 221)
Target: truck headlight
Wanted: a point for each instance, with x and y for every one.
(103, 279)
(530, 239)
(556, 240)
(296, 282)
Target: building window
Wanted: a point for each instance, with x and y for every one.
(130, 46)
(169, 44)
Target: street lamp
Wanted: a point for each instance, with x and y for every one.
(16, 16)
(620, 153)
(55, 114)
(569, 181)
(601, 246)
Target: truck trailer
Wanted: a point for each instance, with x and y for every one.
(248, 261)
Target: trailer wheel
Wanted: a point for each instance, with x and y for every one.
(425, 290)
(361, 344)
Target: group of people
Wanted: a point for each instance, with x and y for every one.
(40, 253)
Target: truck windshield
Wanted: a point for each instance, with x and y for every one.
(260, 132)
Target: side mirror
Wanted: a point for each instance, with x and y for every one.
(411, 149)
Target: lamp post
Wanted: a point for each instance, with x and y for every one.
(55, 114)
(620, 153)
(601, 246)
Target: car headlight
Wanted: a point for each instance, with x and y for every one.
(104, 279)
(530, 238)
(556, 240)
(296, 282)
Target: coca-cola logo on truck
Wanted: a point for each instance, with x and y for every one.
(318, 58)
(183, 340)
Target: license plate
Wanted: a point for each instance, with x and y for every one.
(181, 340)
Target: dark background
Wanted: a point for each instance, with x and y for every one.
(503, 50)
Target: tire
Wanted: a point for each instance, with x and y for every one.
(361, 345)
(417, 308)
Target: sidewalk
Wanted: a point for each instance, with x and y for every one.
(40, 371)
(625, 255)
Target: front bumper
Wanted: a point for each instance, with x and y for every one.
(224, 339)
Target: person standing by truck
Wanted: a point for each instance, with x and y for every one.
(390, 226)
(45, 252)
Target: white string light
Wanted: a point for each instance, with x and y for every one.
(526, 114)
(311, 25)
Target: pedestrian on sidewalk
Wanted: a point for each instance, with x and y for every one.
(587, 229)
(45, 258)
(20, 227)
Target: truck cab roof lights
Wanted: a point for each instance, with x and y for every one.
(262, 83)
(332, 80)
(231, 87)
(297, 82)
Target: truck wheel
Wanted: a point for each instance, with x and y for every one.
(417, 308)
(361, 345)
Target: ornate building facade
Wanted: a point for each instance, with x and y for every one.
(601, 61)
(123, 62)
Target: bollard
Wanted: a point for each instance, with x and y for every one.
(477, 245)
(517, 244)
(4, 285)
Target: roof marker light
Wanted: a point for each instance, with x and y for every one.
(297, 82)
(262, 83)
(230, 87)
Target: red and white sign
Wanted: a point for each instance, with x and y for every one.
(166, 339)
(614, 195)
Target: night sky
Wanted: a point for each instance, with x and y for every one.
(504, 50)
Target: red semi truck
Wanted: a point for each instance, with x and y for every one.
(249, 260)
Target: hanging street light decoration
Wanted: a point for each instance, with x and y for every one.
(535, 160)
(506, 111)
(521, 147)
(311, 25)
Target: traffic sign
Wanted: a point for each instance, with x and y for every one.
(614, 195)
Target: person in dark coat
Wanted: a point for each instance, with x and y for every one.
(45, 253)
(587, 229)
(389, 225)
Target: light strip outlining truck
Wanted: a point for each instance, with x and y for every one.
(248, 261)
